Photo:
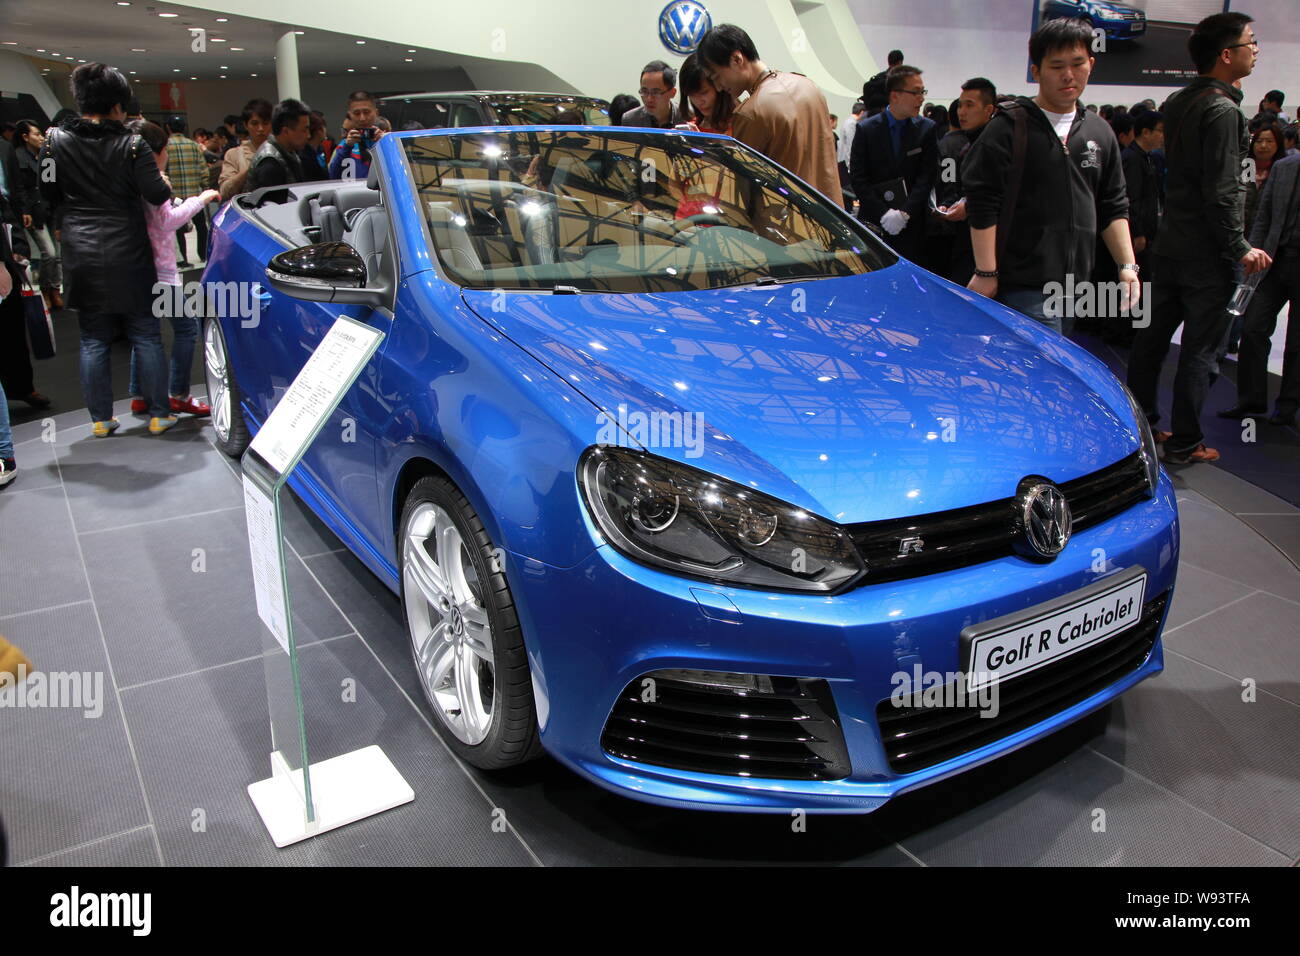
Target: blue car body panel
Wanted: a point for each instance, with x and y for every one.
(833, 395)
(1124, 23)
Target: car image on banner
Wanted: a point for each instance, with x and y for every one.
(683, 477)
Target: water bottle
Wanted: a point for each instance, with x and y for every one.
(1241, 295)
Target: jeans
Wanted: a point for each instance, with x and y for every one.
(97, 329)
(185, 332)
(6, 435)
(1280, 284)
(50, 273)
(1032, 303)
(1193, 293)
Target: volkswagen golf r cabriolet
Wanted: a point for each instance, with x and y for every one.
(685, 478)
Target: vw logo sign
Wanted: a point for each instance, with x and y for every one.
(1043, 520)
(682, 26)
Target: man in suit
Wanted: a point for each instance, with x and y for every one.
(1277, 232)
(894, 163)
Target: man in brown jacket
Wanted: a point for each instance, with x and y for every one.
(234, 167)
(785, 117)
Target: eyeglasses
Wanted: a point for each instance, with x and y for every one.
(644, 92)
(1252, 43)
(921, 92)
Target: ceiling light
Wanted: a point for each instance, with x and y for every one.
(222, 19)
(217, 39)
(300, 33)
(408, 59)
(351, 70)
(236, 49)
(221, 76)
(322, 72)
(133, 72)
(410, 51)
(138, 49)
(9, 42)
(193, 77)
(167, 16)
(123, 3)
(253, 75)
(40, 51)
(224, 67)
(374, 68)
(362, 42)
(176, 70)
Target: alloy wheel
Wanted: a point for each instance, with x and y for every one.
(214, 371)
(450, 632)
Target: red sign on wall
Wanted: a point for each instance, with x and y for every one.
(172, 96)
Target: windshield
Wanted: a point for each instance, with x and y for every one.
(524, 111)
(621, 211)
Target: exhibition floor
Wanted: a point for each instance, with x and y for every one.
(129, 556)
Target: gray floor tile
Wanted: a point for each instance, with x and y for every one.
(162, 618)
(1190, 731)
(1231, 492)
(65, 778)
(1282, 530)
(134, 476)
(373, 609)
(44, 568)
(127, 849)
(1003, 815)
(1201, 592)
(1256, 638)
(1217, 541)
(304, 530)
(37, 467)
(204, 738)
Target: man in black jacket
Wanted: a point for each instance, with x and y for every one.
(975, 107)
(277, 162)
(1201, 236)
(1035, 212)
(101, 173)
(876, 85)
(1140, 180)
(894, 162)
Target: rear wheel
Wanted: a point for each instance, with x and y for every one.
(465, 638)
(223, 394)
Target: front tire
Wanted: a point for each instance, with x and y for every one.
(223, 394)
(466, 642)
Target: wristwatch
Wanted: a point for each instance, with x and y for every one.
(1129, 265)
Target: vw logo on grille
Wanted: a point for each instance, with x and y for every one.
(682, 25)
(1043, 520)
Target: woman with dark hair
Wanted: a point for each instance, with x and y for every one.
(620, 105)
(29, 139)
(101, 172)
(710, 108)
(1265, 147)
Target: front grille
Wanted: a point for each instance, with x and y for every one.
(792, 733)
(918, 737)
(966, 536)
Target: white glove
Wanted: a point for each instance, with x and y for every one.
(894, 221)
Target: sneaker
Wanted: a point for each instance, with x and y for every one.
(139, 406)
(1198, 454)
(8, 471)
(189, 406)
(104, 429)
(37, 400)
(159, 425)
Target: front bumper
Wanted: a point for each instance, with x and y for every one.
(593, 628)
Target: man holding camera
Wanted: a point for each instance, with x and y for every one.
(352, 158)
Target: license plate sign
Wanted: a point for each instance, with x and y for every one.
(1016, 644)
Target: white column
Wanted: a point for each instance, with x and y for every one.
(286, 66)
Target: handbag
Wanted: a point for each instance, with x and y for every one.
(36, 317)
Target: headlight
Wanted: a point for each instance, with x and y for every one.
(1150, 457)
(1110, 15)
(668, 515)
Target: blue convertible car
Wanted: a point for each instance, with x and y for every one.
(685, 478)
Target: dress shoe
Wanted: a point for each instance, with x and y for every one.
(37, 400)
(1198, 454)
(1282, 417)
(1242, 411)
(57, 298)
(1161, 437)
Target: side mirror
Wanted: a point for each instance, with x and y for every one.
(324, 272)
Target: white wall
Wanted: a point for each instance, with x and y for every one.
(18, 75)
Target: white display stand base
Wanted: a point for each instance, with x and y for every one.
(345, 789)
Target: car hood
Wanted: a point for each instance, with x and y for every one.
(860, 398)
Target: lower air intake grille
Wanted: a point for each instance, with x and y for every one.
(920, 737)
(786, 729)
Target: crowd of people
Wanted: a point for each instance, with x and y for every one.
(1011, 196)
